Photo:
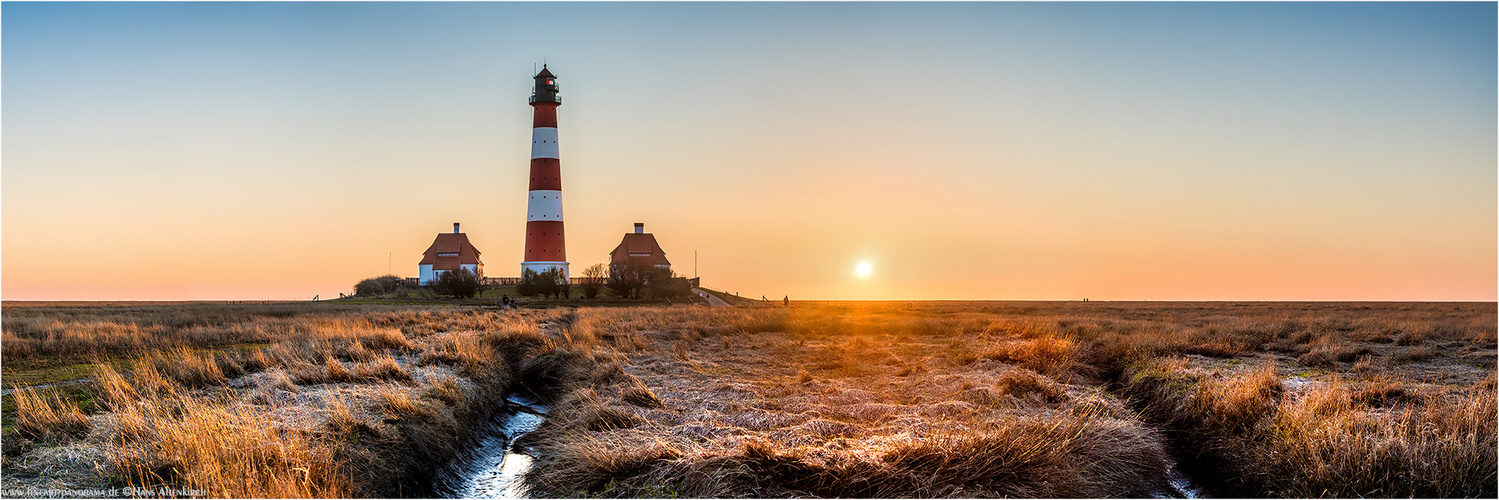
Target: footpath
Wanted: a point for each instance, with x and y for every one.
(713, 300)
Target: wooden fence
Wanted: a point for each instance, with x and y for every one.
(512, 281)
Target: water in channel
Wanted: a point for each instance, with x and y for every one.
(494, 468)
(1184, 486)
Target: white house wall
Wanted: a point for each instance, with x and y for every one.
(428, 275)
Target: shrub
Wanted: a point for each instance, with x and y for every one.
(554, 283)
(626, 279)
(380, 285)
(549, 283)
(664, 284)
(457, 283)
(594, 277)
(527, 285)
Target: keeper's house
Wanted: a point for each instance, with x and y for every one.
(448, 252)
(639, 245)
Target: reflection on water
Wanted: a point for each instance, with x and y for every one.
(494, 468)
(1183, 484)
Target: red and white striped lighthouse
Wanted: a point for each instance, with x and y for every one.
(545, 248)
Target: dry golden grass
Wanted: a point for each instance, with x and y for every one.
(853, 405)
(332, 402)
(45, 415)
(967, 399)
(219, 447)
(1333, 438)
(1440, 449)
(948, 399)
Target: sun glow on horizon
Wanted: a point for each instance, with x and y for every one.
(863, 269)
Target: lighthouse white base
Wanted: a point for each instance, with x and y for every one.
(543, 266)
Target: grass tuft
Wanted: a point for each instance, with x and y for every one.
(640, 395)
(46, 415)
(1022, 383)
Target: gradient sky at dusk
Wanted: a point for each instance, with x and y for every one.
(1116, 151)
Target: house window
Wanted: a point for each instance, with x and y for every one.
(447, 254)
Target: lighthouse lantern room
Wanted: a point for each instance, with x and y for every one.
(546, 90)
(545, 248)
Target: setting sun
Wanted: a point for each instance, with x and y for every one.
(863, 269)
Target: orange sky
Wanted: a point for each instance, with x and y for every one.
(966, 151)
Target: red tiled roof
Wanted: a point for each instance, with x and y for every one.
(638, 243)
(451, 243)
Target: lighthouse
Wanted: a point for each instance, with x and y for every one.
(545, 248)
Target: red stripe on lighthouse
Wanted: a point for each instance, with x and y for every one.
(546, 173)
(544, 241)
(545, 116)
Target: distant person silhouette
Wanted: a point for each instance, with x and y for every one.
(787, 300)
